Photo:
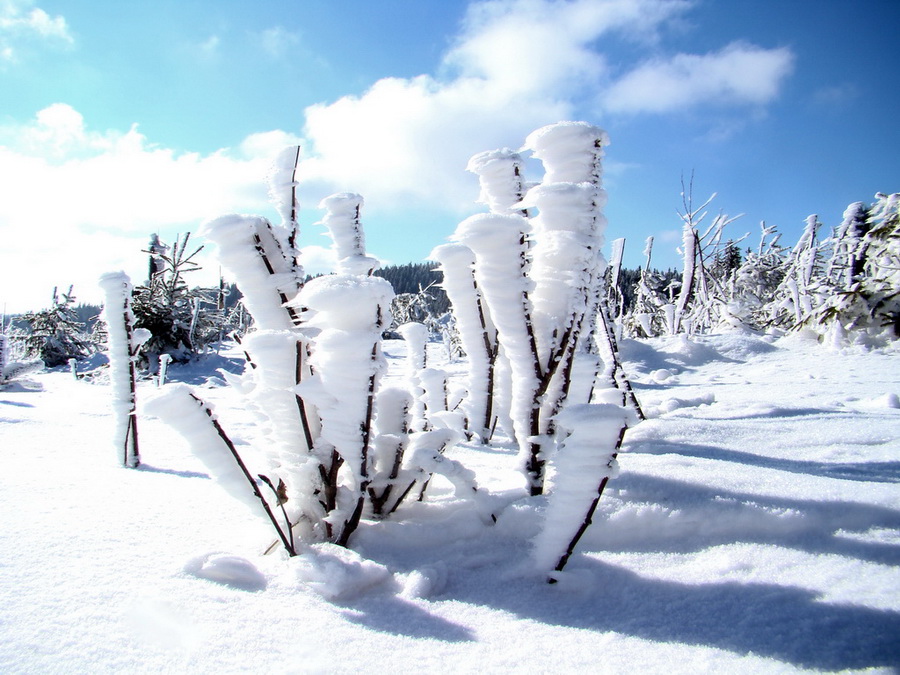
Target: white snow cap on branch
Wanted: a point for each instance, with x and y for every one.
(585, 459)
(500, 177)
(177, 406)
(283, 184)
(569, 151)
(346, 302)
(238, 251)
(342, 221)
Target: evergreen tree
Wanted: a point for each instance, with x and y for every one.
(56, 335)
(180, 319)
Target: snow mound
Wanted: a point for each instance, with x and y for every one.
(661, 375)
(337, 573)
(672, 404)
(889, 400)
(687, 352)
(425, 582)
(228, 570)
(742, 346)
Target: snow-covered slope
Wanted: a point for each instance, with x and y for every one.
(755, 527)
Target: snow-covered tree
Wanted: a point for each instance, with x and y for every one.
(866, 297)
(180, 319)
(56, 334)
(11, 369)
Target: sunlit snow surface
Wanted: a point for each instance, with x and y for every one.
(755, 527)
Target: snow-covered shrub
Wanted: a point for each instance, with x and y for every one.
(349, 312)
(181, 320)
(477, 333)
(754, 285)
(9, 369)
(56, 334)
(539, 274)
(866, 296)
(646, 317)
(527, 286)
(586, 461)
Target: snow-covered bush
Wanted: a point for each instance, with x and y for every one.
(538, 280)
(866, 295)
(10, 369)
(527, 286)
(181, 320)
(56, 334)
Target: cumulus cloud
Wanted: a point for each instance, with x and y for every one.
(737, 74)
(516, 65)
(88, 199)
(20, 22)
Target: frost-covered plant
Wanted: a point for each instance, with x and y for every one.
(349, 312)
(10, 369)
(56, 334)
(180, 319)
(646, 317)
(540, 277)
(700, 305)
(477, 334)
(592, 434)
(391, 439)
(802, 287)
(335, 448)
(867, 295)
(753, 287)
(195, 420)
(124, 342)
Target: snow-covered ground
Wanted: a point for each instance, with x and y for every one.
(755, 527)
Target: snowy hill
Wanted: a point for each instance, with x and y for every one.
(755, 527)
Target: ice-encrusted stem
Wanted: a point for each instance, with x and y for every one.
(349, 311)
(194, 420)
(342, 219)
(477, 334)
(583, 466)
(123, 345)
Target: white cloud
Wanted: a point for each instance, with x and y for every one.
(21, 22)
(738, 74)
(517, 65)
(88, 200)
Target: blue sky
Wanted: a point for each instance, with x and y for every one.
(120, 119)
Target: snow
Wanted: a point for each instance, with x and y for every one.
(756, 531)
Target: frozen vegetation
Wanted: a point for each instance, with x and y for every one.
(754, 527)
(718, 495)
